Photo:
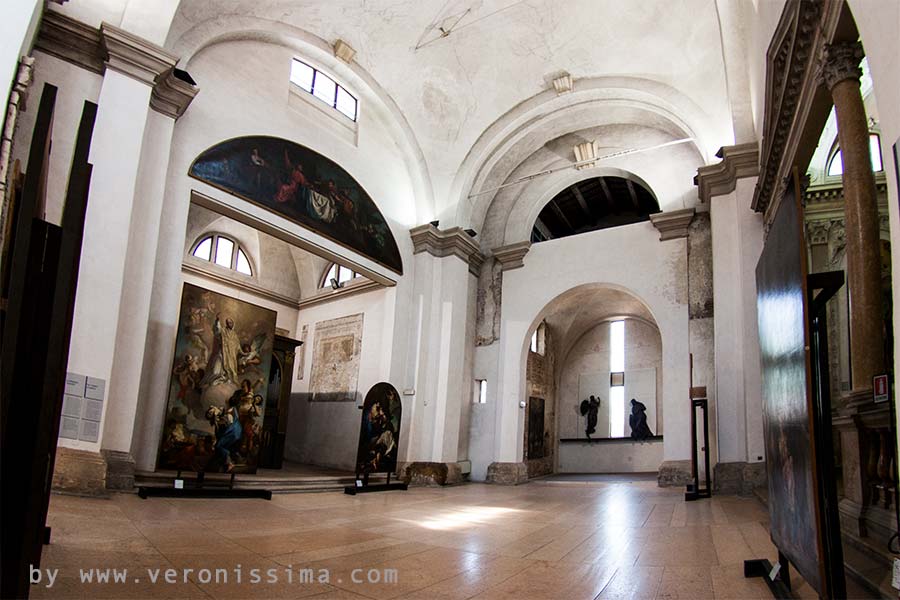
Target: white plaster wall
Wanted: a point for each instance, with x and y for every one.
(610, 457)
(326, 433)
(631, 258)
(74, 87)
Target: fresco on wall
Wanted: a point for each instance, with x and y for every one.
(379, 432)
(303, 186)
(336, 352)
(217, 393)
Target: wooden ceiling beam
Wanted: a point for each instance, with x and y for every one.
(581, 201)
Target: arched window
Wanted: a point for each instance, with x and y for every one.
(836, 165)
(337, 275)
(224, 252)
(539, 339)
(325, 88)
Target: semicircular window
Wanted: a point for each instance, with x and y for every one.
(303, 186)
(594, 204)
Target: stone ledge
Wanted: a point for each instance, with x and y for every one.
(507, 473)
(672, 224)
(430, 474)
(738, 161)
(741, 478)
(79, 472)
(674, 473)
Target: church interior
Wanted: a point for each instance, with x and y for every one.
(449, 299)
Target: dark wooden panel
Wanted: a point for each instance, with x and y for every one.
(787, 402)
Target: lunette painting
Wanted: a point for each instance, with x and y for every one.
(304, 187)
(379, 432)
(217, 392)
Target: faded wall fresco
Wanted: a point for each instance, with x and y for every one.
(335, 367)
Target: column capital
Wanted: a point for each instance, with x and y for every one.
(673, 224)
(447, 242)
(173, 93)
(839, 62)
(512, 256)
(134, 56)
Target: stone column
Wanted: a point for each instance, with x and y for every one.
(841, 73)
(170, 98)
(447, 263)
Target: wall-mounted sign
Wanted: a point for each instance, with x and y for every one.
(880, 388)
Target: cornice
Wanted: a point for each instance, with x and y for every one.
(673, 224)
(447, 242)
(72, 41)
(738, 161)
(173, 93)
(134, 56)
(512, 256)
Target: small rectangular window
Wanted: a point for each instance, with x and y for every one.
(324, 88)
(346, 103)
(344, 274)
(302, 75)
(480, 391)
(224, 251)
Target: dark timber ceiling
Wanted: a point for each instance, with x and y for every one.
(594, 204)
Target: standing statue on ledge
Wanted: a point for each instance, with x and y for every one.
(640, 431)
(589, 408)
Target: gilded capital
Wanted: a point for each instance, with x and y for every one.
(840, 62)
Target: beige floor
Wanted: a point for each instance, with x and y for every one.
(560, 541)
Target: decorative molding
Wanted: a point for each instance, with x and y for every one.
(94, 49)
(173, 93)
(563, 84)
(585, 153)
(839, 62)
(344, 51)
(791, 84)
(350, 288)
(739, 161)
(673, 224)
(72, 41)
(134, 56)
(447, 242)
(511, 256)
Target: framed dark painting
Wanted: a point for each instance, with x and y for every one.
(535, 428)
(218, 389)
(788, 429)
(379, 432)
(303, 186)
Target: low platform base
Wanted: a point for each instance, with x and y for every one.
(374, 487)
(203, 492)
(780, 587)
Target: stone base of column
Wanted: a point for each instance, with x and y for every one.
(430, 474)
(739, 477)
(507, 473)
(674, 473)
(119, 470)
(539, 467)
(79, 472)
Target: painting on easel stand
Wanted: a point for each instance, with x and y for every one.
(379, 432)
(217, 392)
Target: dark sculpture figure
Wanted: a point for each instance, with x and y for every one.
(640, 431)
(589, 408)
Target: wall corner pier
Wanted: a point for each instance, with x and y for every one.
(119, 470)
(507, 473)
(447, 242)
(431, 474)
(738, 161)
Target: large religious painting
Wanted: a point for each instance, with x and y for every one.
(535, 428)
(379, 432)
(336, 353)
(303, 186)
(787, 401)
(218, 389)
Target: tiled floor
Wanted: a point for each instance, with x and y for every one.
(540, 540)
